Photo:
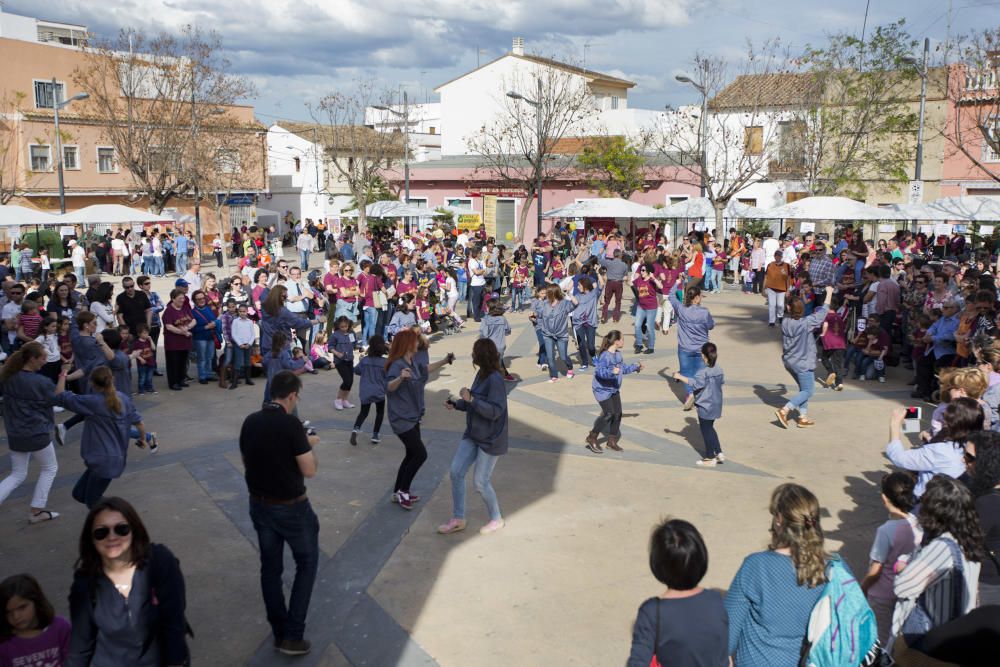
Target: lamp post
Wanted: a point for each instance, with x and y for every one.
(194, 170)
(921, 68)
(405, 115)
(538, 131)
(56, 106)
(702, 125)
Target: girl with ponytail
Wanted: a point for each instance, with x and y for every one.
(774, 591)
(28, 419)
(109, 419)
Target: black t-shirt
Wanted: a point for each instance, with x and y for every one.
(988, 507)
(133, 310)
(269, 442)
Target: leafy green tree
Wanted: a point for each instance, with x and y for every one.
(613, 166)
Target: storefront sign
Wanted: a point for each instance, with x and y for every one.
(805, 227)
(468, 222)
(490, 215)
(942, 229)
(67, 231)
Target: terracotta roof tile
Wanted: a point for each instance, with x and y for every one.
(766, 91)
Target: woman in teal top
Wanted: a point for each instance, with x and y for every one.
(774, 591)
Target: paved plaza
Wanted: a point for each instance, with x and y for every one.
(560, 584)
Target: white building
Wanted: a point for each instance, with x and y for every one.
(475, 99)
(28, 29)
(298, 177)
(424, 122)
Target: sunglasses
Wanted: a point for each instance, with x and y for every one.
(121, 530)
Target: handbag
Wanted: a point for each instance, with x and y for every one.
(380, 300)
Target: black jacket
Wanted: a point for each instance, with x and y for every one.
(167, 593)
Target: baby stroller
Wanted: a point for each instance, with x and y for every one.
(447, 322)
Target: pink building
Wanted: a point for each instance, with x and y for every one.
(454, 181)
(969, 160)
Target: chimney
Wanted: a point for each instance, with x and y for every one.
(518, 47)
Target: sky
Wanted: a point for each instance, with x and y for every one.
(296, 52)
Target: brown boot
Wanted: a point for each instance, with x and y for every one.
(613, 443)
(592, 443)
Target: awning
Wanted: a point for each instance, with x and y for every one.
(15, 216)
(605, 207)
(110, 214)
(830, 208)
(701, 207)
(392, 209)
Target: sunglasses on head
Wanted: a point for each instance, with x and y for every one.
(121, 530)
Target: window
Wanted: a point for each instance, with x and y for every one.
(160, 161)
(506, 218)
(106, 160)
(671, 199)
(227, 161)
(459, 202)
(418, 201)
(350, 163)
(991, 149)
(41, 157)
(432, 130)
(753, 140)
(71, 157)
(48, 93)
(748, 202)
(614, 101)
(791, 142)
(298, 164)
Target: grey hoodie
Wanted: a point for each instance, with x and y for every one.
(707, 387)
(496, 328)
(693, 325)
(798, 342)
(27, 413)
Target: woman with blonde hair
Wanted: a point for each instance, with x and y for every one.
(108, 418)
(773, 593)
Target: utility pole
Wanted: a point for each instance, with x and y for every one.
(56, 106)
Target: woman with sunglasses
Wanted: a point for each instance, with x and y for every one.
(127, 599)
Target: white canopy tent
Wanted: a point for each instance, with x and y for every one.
(701, 207)
(831, 208)
(926, 212)
(15, 216)
(112, 214)
(971, 208)
(603, 207)
(391, 209)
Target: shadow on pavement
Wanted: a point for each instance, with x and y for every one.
(857, 525)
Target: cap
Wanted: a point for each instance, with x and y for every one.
(180, 282)
(72, 242)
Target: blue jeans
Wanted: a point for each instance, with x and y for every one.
(690, 363)
(463, 287)
(476, 302)
(519, 298)
(542, 359)
(80, 277)
(468, 453)
(145, 374)
(206, 354)
(371, 318)
(647, 316)
(182, 263)
(298, 526)
(807, 385)
(855, 356)
(133, 433)
(709, 278)
(238, 357)
(586, 339)
(553, 345)
(867, 368)
(159, 265)
(90, 488)
(304, 260)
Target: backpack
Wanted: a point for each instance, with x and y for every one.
(842, 630)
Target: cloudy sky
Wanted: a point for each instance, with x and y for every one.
(297, 51)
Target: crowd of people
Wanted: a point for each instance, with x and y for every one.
(371, 313)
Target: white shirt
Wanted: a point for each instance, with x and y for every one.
(463, 239)
(294, 289)
(51, 344)
(771, 245)
(193, 280)
(451, 287)
(790, 256)
(117, 245)
(105, 315)
(10, 311)
(242, 332)
(304, 242)
(79, 255)
(474, 280)
(158, 248)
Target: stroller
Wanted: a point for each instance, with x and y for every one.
(447, 322)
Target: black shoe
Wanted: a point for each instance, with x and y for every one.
(158, 374)
(250, 382)
(202, 381)
(176, 387)
(649, 350)
(771, 324)
(638, 350)
(294, 646)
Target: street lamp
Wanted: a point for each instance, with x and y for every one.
(538, 129)
(56, 106)
(921, 68)
(702, 126)
(405, 115)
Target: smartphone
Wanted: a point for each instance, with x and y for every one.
(911, 422)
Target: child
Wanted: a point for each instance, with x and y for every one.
(145, 362)
(807, 295)
(226, 323)
(923, 322)
(537, 301)
(29, 322)
(341, 345)
(281, 360)
(707, 386)
(584, 319)
(496, 327)
(243, 336)
(120, 363)
(685, 624)
(30, 631)
(873, 362)
(256, 361)
(833, 338)
(404, 317)
(606, 385)
(719, 267)
(318, 354)
(519, 286)
(50, 341)
(299, 354)
(422, 307)
(65, 340)
(371, 390)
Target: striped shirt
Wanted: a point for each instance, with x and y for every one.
(932, 571)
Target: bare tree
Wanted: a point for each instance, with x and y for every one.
(973, 93)
(732, 148)
(151, 95)
(358, 153)
(12, 173)
(517, 149)
(231, 158)
(857, 126)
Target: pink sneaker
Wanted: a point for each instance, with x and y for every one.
(569, 375)
(555, 379)
(492, 527)
(452, 526)
(337, 403)
(347, 405)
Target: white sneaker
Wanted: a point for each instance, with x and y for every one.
(882, 379)
(60, 435)
(57, 409)
(347, 405)
(338, 404)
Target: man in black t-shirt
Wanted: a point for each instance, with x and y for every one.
(277, 457)
(134, 307)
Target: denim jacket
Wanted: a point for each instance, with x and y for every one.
(606, 382)
(486, 414)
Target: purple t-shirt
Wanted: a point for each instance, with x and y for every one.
(893, 539)
(49, 648)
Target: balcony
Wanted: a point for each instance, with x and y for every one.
(786, 169)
